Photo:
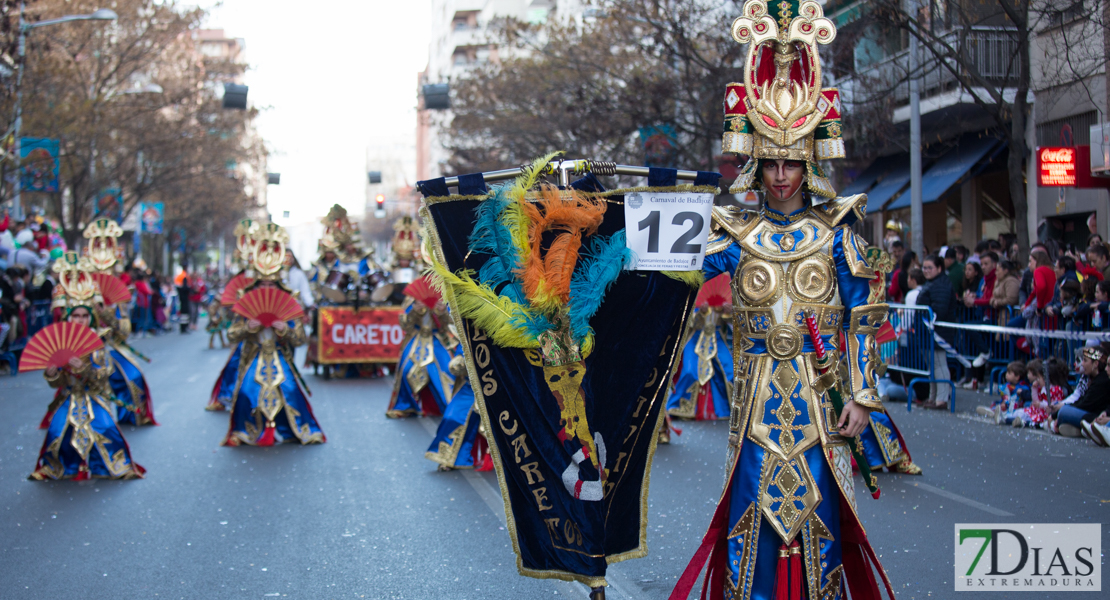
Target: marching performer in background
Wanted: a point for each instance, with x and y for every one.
(423, 383)
(128, 384)
(787, 526)
(219, 319)
(460, 441)
(703, 379)
(246, 242)
(82, 440)
(343, 270)
(270, 402)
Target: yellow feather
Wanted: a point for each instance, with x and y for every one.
(491, 313)
(694, 279)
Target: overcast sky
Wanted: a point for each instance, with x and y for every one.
(332, 79)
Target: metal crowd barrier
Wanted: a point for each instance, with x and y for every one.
(911, 352)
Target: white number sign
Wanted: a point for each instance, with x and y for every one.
(667, 231)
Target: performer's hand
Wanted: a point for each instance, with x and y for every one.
(280, 326)
(51, 371)
(254, 323)
(852, 420)
(1102, 419)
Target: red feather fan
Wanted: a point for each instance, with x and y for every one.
(112, 289)
(55, 344)
(423, 291)
(268, 305)
(716, 291)
(231, 291)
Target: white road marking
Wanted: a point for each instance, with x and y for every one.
(968, 501)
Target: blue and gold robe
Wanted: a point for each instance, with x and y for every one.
(423, 383)
(270, 405)
(82, 439)
(127, 380)
(703, 380)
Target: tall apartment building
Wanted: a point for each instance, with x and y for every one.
(462, 40)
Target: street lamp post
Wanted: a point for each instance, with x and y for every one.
(101, 14)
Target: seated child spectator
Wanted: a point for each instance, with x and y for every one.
(1067, 418)
(1014, 394)
(1043, 394)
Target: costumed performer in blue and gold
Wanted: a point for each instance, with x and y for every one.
(460, 441)
(246, 241)
(882, 441)
(270, 401)
(423, 384)
(703, 380)
(128, 384)
(787, 526)
(83, 440)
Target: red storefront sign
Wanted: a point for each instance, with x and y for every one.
(1056, 167)
(368, 335)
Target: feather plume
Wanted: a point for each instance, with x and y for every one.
(491, 237)
(693, 279)
(509, 324)
(596, 273)
(547, 278)
(513, 216)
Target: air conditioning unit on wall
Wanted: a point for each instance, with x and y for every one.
(1100, 150)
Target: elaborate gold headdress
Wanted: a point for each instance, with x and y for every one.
(339, 232)
(245, 241)
(103, 251)
(269, 253)
(781, 111)
(75, 286)
(406, 239)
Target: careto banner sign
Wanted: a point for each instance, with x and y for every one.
(367, 335)
(1056, 167)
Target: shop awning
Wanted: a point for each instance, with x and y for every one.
(949, 169)
(862, 183)
(896, 177)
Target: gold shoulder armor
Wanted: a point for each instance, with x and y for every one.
(834, 211)
(731, 221)
(855, 251)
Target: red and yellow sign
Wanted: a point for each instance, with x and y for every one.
(1056, 167)
(368, 335)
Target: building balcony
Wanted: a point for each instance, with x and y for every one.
(991, 51)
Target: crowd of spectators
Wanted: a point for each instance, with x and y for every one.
(1065, 386)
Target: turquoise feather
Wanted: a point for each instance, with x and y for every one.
(597, 269)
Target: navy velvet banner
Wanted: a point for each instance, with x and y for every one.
(637, 331)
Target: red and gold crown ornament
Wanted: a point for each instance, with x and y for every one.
(269, 252)
(245, 241)
(781, 110)
(76, 285)
(103, 250)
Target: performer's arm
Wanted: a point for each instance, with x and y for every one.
(861, 320)
(239, 331)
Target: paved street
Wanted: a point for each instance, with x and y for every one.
(366, 516)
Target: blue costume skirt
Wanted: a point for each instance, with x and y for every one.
(691, 400)
(458, 443)
(882, 442)
(225, 383)
(130, 388)
(83, 442)
(423, 383)
(263, 396)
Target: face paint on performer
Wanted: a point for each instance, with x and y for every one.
(783, 181)
(81, 316)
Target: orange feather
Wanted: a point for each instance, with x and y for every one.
(546, 274)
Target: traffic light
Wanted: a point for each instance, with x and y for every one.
(380, 199)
